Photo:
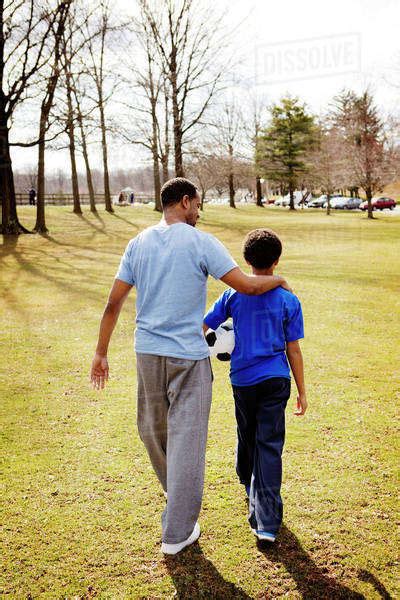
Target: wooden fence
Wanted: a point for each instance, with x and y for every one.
(67, 199)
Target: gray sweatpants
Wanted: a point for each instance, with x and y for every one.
(174, 398)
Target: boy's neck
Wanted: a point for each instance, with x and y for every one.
(269, 271)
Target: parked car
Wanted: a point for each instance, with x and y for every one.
(350, 203)
(298, 198)
(335, 201)
(317, 202)
(379, 203)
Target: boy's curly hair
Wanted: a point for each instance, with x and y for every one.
(261, 248)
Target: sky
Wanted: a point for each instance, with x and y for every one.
(311, 49)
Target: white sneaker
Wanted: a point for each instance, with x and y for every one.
(165, 495)
(264, 536)
(175, 548)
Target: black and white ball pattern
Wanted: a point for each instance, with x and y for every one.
(221, 341)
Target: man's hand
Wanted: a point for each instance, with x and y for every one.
(286, 286)
(301, 405)
(99, 371)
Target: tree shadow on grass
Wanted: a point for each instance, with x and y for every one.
(9, 245)
(196, 577)
(114, 214)
(312, 582)
(374, 581)
(99, 229)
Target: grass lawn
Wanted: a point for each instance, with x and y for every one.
(81, 505)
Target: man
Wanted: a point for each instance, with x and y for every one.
(32, 197)
(169, 264)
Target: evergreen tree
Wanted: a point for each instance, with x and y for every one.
(283, 146)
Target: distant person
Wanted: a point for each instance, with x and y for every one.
(169, 264)
(267, 329)
(32, 197)
(132, 198)
(120, 198)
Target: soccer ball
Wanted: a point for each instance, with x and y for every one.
(221, 341)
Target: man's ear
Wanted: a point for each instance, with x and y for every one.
(185, 201)
(276, 262)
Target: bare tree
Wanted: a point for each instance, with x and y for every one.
(229, 132)
(201, 167)
(81, 118)
(68, 54)
(253, 122)
(150, 90)
(97, 71)
(45, 108)
(25, 29)
(370, 156)
(187, 39)
(328, 165)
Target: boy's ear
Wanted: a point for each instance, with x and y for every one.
(276, 262)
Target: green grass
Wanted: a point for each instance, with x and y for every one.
(81, 505)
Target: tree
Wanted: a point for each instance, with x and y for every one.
(371, 158)
(45, 108)
(202, 169)
(283, 146)
(98, 73)
(68, 55)
(81, 117)
(150, 86)
(25, 29)
(186, 40)
(229, 131)
(328, 165)
(253, 121)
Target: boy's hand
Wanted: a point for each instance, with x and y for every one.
(301, 405)
(99, 371)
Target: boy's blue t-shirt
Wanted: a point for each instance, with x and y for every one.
(262, 325)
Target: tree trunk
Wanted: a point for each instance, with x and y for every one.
(107, 193)
(157, 183)
(231, 191)
(154, 149)
(40, 226)
(231, 178)
(291, 193)
(368, 193)
(164, 165)
(89, 179)
(179, 172)
(258, 191)
(71, 137)
(203, 195)
(45, 109)
(165, 154)
(10, 224)
(328, 204)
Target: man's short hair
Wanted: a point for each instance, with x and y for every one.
(173, 191)
(261, 248)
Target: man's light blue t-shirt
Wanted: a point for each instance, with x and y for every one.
(169, 265)
(263, 325)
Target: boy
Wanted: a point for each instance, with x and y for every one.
(267, 329)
